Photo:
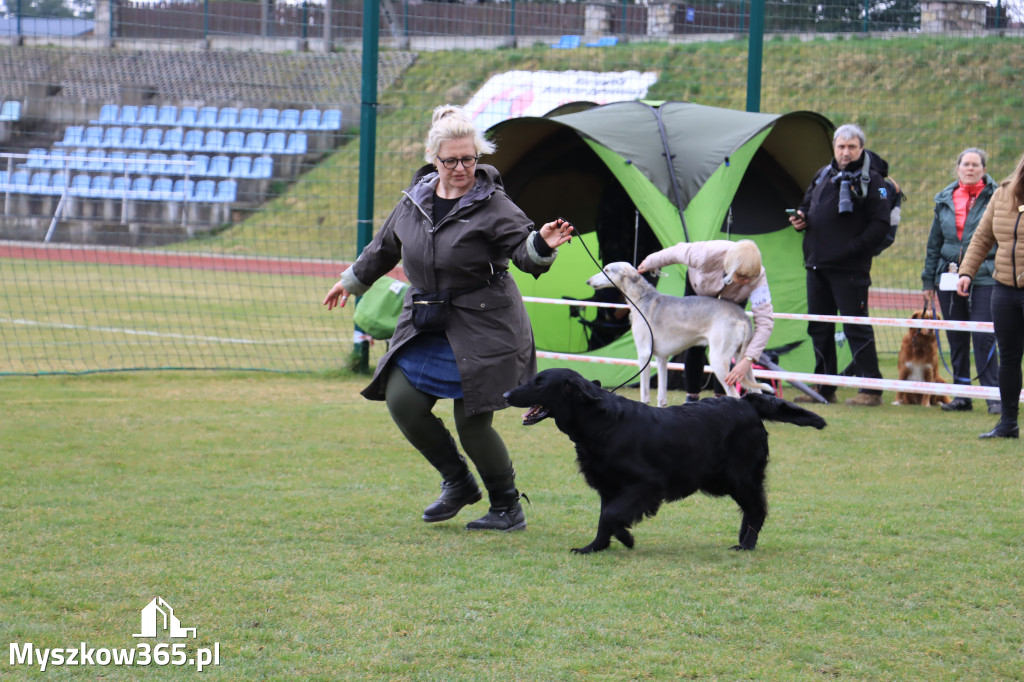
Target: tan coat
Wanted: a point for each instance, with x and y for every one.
(1002, 225)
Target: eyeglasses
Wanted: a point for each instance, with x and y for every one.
(466, 161)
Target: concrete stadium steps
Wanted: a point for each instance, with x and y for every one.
(324, 80)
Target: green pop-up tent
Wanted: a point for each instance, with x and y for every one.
(634, 177)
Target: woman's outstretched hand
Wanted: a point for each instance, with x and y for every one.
(337, 296)
(556, 233)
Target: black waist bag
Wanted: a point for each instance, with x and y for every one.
(430, 308)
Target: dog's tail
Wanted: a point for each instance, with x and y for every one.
(778, 410)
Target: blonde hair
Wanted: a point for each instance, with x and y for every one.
(451, 123)
(1017, 183)
(743, 260)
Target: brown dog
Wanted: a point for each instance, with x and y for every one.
(919, 361)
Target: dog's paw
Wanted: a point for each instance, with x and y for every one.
(741, 548)
(626, 538)
(595, 546)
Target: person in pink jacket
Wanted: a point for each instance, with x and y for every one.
(731, 271)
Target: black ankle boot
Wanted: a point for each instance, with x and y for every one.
(454, 496)
(505, 513)
(510, 517)
(1003, 430)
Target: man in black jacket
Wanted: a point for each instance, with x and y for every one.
(843, 225)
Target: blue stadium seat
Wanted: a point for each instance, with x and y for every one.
(173, 140)
(255, 142)
(206, 190)
(80, 185)
(56, 158)
(207, 117)
(141, 187)
(115, 161)
(95, 162)
(162, 189)
(277, 143)
(72, 137)
(129, 115)
(136, 163)
(567, 42)
(112, 137)
(605, 41)
(156, 164)
(330, 119)
(119, 187)
(147, 115)
(18, 181)
(220, 166)
(214, 141)
(193, 141)
(77, 158)
(58, 183)
(262, 167)
(167, 116)
(108, 115)
(227, 192)
(181, 163)
(39, 183)
(227, 118)
(10, 111)
(187, 117)
(153, 138)
(297, 143)
(100, 186)
(38, 159)
(248, 118)
(93, 136)
(268, 119)
(241, 167)
(310, 120)
(183, 189)
(132, 138)
(289, 119)
(234, 142)
(200, 163)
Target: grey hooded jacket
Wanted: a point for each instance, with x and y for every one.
(488, 329)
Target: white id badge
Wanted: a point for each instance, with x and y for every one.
(948, 280)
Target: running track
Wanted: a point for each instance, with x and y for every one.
(887, 299)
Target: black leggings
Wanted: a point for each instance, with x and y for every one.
(411, 409)
(1008, 318)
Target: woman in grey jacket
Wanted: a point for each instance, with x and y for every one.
(455, 230)
(958, 210)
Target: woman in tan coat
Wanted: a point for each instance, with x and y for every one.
(1003, 226)
(456, 231)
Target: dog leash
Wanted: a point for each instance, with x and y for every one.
(635, 307)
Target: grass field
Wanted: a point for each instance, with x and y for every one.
(279, 515)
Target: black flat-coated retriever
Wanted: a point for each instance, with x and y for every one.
(637, 456)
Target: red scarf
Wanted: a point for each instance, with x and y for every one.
(964, 197)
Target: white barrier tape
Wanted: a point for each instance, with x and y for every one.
(958, 390)
(954, 325)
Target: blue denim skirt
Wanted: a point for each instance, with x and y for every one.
(429, 364)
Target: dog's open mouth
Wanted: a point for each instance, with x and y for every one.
(535, 414)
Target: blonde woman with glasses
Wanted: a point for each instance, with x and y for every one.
(463, 334)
